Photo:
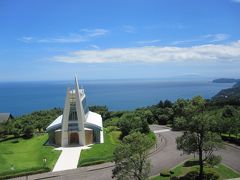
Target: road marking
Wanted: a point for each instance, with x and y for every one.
(162, 130)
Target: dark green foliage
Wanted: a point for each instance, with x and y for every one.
(179, 123)
(27, 124)
(190, 163)
(111, 122)
(28, 131)
(131, 122)
(102, 110)
(16, 132)
(167, 104)
(163, 119)
(164, 104)
(209, 174)
(228, 112)
(160, 104)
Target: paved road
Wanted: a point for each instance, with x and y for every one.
(166, 156)
(231, 156)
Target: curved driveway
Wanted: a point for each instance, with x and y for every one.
(164, 156)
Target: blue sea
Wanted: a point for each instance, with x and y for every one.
(24, 97)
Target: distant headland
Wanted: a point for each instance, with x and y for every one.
(226, 80)
(230, 95)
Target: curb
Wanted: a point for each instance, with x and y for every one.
(231, 145)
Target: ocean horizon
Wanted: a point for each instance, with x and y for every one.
(20, 98)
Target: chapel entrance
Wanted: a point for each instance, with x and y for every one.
(74, 138)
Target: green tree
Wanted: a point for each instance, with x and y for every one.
(131, 122)
(163, 119)
(130, 157)
(179, 123)
(168, 104)
(16, 132)
(197, 137)
(102, 110)
(179, 107)
(160, 104)
(148, 115)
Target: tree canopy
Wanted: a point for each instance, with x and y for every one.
(130, 157)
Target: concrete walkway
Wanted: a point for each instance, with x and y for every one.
(68, 158)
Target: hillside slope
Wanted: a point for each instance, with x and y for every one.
(230, 95)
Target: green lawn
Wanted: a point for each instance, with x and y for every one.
(26, 154)
(100, 153)
(224, 171)
(231, 135)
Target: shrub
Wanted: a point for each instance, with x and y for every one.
(28, 132)
(165, 173)
(190, 175)
(208, 174)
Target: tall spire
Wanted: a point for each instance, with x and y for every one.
(76, 83)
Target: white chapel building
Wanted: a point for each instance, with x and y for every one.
(77, 125)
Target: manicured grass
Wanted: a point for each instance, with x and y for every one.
(224, 171)
(26, 155)
(100, 153)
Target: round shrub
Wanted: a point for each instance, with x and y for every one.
(28, 131)
(165, 173)
(208, 174)
(190, 175)
(211, 174)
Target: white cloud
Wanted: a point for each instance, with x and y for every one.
(155, 54)
(209, 38)
(94, 46)
(95, 32)
(129, 29)
(148, 41)
(187, 41)
(216, 37)
(87, 35)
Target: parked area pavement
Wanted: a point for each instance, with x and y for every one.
(68, 158)
(164, 155)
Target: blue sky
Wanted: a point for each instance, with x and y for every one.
(119, 39)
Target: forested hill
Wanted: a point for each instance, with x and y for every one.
(230, 95)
